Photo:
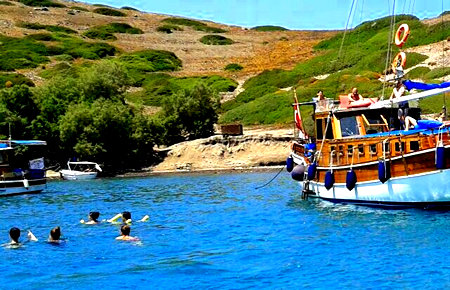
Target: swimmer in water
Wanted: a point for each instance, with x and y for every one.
(125, 234)
(55, 235)
(14, 235)
(93, 218)
(126, 218)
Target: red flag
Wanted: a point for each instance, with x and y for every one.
(298, 118)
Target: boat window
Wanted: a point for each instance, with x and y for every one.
(399, 147)
(414, 145)
(373, 148)
(387, 148)
(329, 133)
(349, 126)
(319, 130)
(361, 149)
(350, 149)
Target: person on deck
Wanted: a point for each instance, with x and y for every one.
(322, 102)
(354, 96)
(403, 107)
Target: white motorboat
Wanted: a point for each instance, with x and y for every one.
(80, 170)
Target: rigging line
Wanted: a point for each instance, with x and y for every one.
(390, 40)
(443, 52)
(342, 44)
(273, 178)
(346, 28)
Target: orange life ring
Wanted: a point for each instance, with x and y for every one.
(400, 57)
(405, 29)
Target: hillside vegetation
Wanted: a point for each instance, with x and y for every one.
(109, 87)
(360, 64)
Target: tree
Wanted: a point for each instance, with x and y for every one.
(17, 109)
(191, 114)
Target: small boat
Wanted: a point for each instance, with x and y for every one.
(24, 173)
(80, 170)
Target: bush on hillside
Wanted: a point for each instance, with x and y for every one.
(79, 8)
(233, 67)
(418, 72)
(197, 25)
(51, 28)
(168, 28)
(15, 79)
(105, 32)
(6, 3)
(109, 12)
(41, 3)
(129, 8)
(41, 37)
(216, 40)
(269, 28)
(99, 34)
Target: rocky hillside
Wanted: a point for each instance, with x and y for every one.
(254, 50)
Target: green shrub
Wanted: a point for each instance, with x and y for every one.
(233, 67)
(57, 28)
(41, 36)
(51, 28)
(129, 8)
(438, 73)
(418, 72)
(99, 34)
(168, 28)
(42, 3)
(6, 3)
(216, 40)
(109, 12)
(88, 50)
(197, 25)
(15, 79)
(79, 8)
(16, 53)
(63, 57)
(269, 28)
(105, 32)
(140, 63)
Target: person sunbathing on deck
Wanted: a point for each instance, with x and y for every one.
(354, 96)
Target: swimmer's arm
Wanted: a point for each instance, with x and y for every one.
(115, 218)
(145, 218)
(31, 237)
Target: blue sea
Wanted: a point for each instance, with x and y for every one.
(218, 231)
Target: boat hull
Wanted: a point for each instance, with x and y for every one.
(16, 187)
(77, 175)
(420, 190)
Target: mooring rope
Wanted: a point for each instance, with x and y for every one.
(273, 178)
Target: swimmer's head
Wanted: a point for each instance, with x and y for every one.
(94, 215)
(125, 230)
(55, 234)
(14, 234)
(126, 215)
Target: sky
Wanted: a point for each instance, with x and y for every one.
(299, 14)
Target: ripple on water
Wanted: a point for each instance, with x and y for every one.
(218, 231)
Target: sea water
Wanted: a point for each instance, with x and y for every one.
(218, 231)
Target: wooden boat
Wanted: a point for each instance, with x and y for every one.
(361, 154)
(359, 159)
(24, 173)
(80, 170)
